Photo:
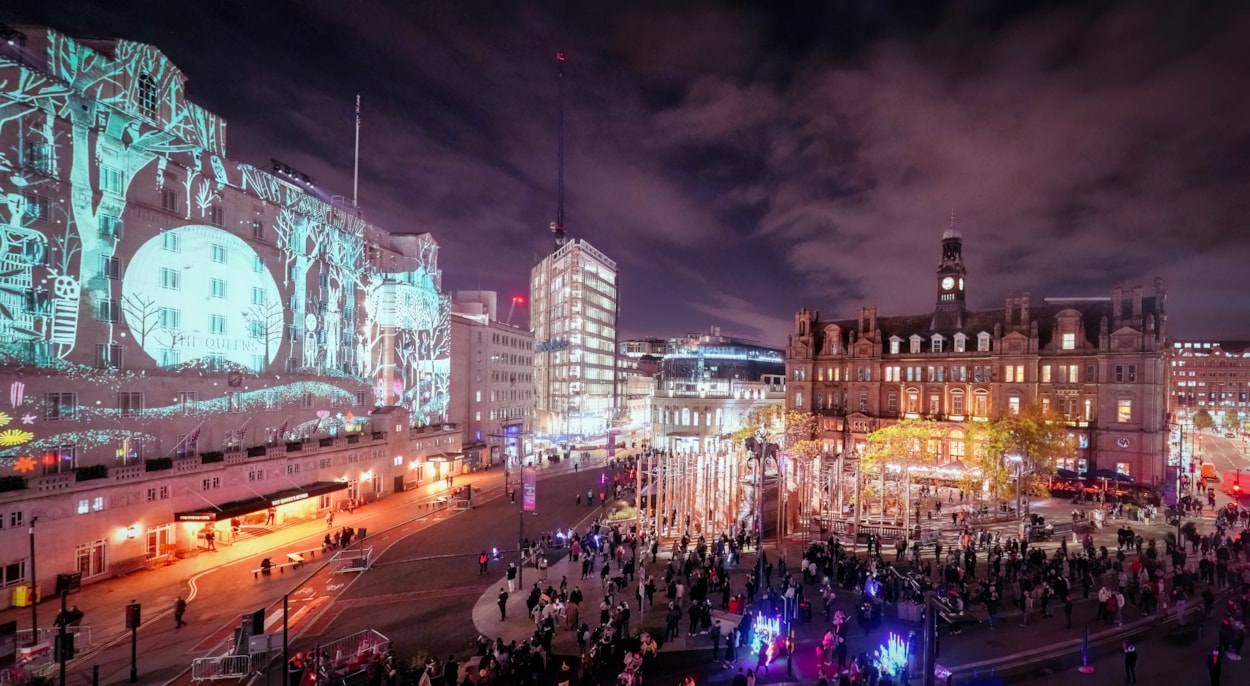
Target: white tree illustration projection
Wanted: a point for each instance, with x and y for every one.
(264, 325)
(142, 314)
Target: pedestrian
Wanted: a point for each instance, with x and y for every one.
(210, 539)
(542, 567)
(503, 604)
(451, 672)
(1067, 610)
(180, 608)
(482, 559)
(511, 577)
(714, 634)
(1130, 662)
(330, 519)
(1214, 665)
(271, 516)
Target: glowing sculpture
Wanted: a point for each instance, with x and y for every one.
(891, 657)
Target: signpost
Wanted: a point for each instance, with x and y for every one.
(132, 622)
(529, 503)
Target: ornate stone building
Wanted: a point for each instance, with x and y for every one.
(1097, 362)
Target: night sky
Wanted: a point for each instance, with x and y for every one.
(741, 160)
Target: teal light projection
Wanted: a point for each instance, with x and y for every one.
(89, 144)
(199, 293)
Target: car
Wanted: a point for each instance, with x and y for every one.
(1229, 434)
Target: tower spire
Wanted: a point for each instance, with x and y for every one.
(557, 227)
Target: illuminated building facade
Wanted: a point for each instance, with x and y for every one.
(1097, 362)
(492, 394)
(1212, 376)
(186, 339)
(707, 385)
(573, 309)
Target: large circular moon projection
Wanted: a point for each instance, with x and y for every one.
(196, 290)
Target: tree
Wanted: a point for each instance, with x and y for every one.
(265, 322)
(903, 446)
(142, 313)
(1027, 444)
(1203, 419)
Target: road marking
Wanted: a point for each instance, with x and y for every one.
(304, 591)
(330, 588)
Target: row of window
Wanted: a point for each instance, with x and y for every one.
(64, 406)
(1012, 373)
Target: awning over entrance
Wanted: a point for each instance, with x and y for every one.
(237, 508)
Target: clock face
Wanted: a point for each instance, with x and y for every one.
(948, 283)
(1123, 442)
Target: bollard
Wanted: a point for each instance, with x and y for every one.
(95, 675)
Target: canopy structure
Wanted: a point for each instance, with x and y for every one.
(236, 508)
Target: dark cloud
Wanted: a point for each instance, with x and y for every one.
(743, 160)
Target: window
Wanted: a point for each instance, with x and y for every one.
(108, 267)
(891, 403)
(1014, 373)
(1045, 373)
(957, 404)
(1074, 373)
(961, 342)
(169, 200)
(210, 484)
(1126, 373)
(983, 342)
(61, 459)
(60, 406)
(187, 401)
(258, 230)
(84, 506)
(1013, 404)
(217, 324)
(170, 279)
(110, 179)
(107, 310)
(39, 157)
(15, 518)
(147, 96)
(1124, 410)
(219, 253)
(936, 345)
(915, 344)
(110, 226)
(38, 206)
(217, 288)
(935, 405)
(1091, 373)
(13, 573)
(258, 265)
(307, 401)
(362, 398)
(1123, 468)
(171, 241)
(108, 356)
(169, 357)
(169, 317)
(863, 402)
(93, 558)
(1069, 341)
(215, 360)
(216, 215)
(895, 342)
(130, 403)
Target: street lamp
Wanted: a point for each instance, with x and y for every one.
(1019, 462)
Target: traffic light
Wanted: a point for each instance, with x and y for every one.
(132, 616)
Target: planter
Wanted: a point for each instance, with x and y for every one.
(210, 457)
(294, 447)
(96, 471)
(325, 442)
(12, 483)
(256, 451)
(158, 464)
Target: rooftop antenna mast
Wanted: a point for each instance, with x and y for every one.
(356, 164)
(557, 227)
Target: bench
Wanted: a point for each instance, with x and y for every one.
(297, 558)
(259, 570)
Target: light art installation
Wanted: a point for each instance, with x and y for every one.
(91, 137)
(891, 657)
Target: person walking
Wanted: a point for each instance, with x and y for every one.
(482, 560)
(180, 608)
(1067, 611)
(714, 634)
(512, 577)
(210, 539)
(330, 519)
(1130, 662)
(1214, 666)
(503, 604)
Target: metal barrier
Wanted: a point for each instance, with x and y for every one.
(82, 636)
(349, 655)
(226, 666)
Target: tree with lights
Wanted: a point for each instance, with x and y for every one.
(1021, 448)
(902, 447)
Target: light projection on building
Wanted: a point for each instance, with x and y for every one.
(99, 286)
(199, 293)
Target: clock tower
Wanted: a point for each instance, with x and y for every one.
(949, 315)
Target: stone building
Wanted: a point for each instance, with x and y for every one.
(186, 339)
(1097, 362)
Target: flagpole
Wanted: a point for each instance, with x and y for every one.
(194, 432)
(356, 166)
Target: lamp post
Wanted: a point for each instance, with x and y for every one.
(1019, 462)
(34, 587)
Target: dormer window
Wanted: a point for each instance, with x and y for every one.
(983, 342)
(895, 344)
(147, 96)
(935, 344)
(1069, 341)
(915, 343)
(961, 342)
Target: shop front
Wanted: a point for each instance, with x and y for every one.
(222, 524)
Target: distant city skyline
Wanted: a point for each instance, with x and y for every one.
(741, 163)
